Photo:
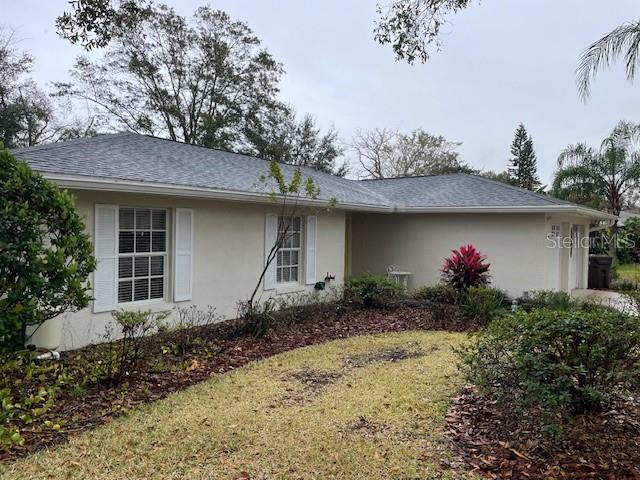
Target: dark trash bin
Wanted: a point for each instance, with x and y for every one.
(600, 271)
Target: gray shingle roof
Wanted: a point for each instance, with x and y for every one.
(457, 190)
(133, 157)
(151, 160)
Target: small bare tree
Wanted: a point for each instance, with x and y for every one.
(386, 153)
(289, 193)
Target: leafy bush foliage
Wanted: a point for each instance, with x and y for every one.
(550, 299)
(45, 254)
(257, 318)
(483, 304)
(372, 291)
(476, 306)
(185, 328)
(465, 268)
(553, 300)
(309, 306)
(134, 326)
(559, 359)
(628, 248)
(439, 293)
(623, 285)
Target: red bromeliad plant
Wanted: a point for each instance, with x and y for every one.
(466, 267)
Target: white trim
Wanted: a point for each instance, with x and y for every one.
(187, 295)
(100, 303)
(289, 287)
(85, 182)
(310, 250)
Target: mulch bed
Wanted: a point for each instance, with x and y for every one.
(499, 443)
(99, 404)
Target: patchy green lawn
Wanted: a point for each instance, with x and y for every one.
(362, 408)
(629, 271)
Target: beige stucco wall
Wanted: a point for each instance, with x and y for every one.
(515, 245)
(228, 254)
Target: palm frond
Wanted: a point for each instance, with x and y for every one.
(622, 41)
(576, 154)
(573, 176)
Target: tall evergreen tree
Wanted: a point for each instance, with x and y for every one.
(523, 165)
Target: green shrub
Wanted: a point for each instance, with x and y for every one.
(314, 306)
(439, 293)
(257, 318)
(372, 291)
(623, 285)
(483, 304)
(185, 328)
(134, 326)
(550, 299)
(568, 359)
(45, 252)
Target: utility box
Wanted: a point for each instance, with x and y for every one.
(600, 271)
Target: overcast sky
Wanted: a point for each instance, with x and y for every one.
(503, 62)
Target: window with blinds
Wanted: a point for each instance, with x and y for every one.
(288, 257)
(142, 254)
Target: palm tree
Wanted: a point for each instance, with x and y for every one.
(623, 41)
(607, 176)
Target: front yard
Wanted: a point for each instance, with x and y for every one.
(362, 408)
(629, 272)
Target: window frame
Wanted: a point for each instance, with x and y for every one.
(299, 250)
(134, 255)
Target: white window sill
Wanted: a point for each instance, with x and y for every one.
(288, 288)
(156, 305)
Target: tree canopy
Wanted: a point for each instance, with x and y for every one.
(205, 80)
(412, 27)
(609, 175)
(386, 153)
(28, 116)
(197, 82)
(93, 23)
(279, 135)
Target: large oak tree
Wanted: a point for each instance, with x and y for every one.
(196, 81)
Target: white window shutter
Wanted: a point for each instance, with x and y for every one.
(310, 249)
(183, 255)
(105, 283)
(270, 238)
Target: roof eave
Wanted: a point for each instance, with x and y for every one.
(570, 209)
(81, 182)
(116, 185)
